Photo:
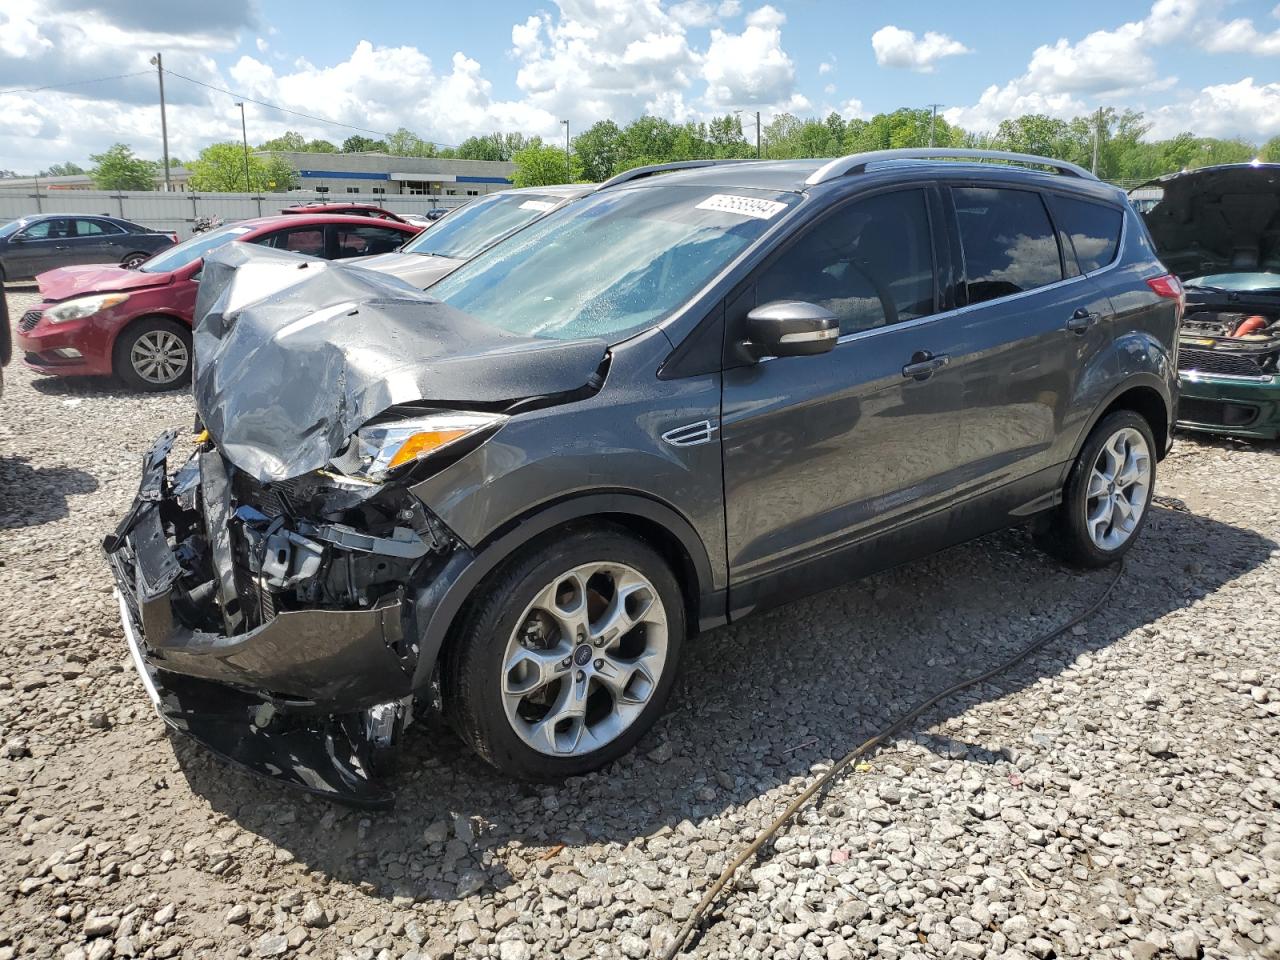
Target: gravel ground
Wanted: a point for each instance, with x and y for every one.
(1115, 796)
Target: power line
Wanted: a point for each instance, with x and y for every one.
(74, 83)
(296, 113)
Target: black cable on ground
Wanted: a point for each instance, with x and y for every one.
(727, 875)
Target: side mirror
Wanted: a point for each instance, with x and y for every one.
(791, 328)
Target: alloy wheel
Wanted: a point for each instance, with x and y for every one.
(584, 659)
(159, 356)
(134, 260)
(1118, 487)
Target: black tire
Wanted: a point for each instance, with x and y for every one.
(1063, 532)
(122, 355)
(132, 260)
(473, 670)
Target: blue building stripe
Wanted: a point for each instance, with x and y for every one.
(342, 175)
(476, 179)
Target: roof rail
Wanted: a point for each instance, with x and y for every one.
(857, 162)
(637, 173)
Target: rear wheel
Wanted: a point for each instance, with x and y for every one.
(567, 657)
(134, 260)
(1108, 494)
(154, 354)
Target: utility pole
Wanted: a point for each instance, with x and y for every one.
(164, 124)
(757, 134)
(568, 167)
(244, 138)
(933, 121)
(1097, 136)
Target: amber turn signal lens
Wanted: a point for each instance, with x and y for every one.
(420, 444)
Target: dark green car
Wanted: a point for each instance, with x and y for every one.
(1218, 229)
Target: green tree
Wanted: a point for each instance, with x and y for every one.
(726, 138)
(359, 144)
(290, 141)
(406, 143)
(119, 169)
(539, 165)
(1270, 151)
(67, 169)
(599, 149)
(220, 168)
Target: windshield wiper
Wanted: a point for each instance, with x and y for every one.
(1206, 289)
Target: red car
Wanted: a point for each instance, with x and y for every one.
(346, 209)
(136, 324)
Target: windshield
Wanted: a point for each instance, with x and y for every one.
(612, 263)
(480, 224)
(1252, 282)
(191, 250)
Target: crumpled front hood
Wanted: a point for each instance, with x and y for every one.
(1217, 220)
(66, 282)
(420, 270)
(293, 354)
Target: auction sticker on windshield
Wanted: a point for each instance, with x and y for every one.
(743, 206)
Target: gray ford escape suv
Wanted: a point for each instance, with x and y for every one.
(679, 400)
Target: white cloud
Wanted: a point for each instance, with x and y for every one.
(750, 68)
(731, 8)
(829, 89)
(825, 67)
(1240, 36)
(1223, 110)
(895, 47)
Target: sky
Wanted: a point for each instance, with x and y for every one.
(449, 71)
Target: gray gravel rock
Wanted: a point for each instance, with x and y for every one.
(1114, 796)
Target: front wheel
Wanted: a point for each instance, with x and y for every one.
(135, 260)
(154, 354)
(1107, 496)
(568, 655)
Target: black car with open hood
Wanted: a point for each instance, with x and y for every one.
(1218, 229)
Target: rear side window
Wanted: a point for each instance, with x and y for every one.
(1008, 242)
(95, 228)
(870, 263)
(308, 240)
(366, 241)
(1093, 230)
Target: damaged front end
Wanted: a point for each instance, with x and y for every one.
(273, 622)
(1229, 365)
(271, 584)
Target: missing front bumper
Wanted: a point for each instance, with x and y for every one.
(287, 699)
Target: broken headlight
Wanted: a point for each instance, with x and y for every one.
(378, 449)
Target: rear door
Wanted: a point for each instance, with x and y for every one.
(1027, 325)
(95, 241)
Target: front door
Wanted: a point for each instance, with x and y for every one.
(825, 451)
(42, 246)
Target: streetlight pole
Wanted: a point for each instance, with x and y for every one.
(933, 121)
(1097, 136)
(568, 167)
(244, 138)
(164, 124)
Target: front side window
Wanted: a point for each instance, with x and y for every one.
(1092, 229)
(1008, 242)
(481, 224)
(870, 263)
(308, 240)
(55, 229)
(613, 263)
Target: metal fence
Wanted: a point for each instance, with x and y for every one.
(178, 212)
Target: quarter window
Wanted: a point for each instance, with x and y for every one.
(870, 263)
(1009, 246)
(1092, 229)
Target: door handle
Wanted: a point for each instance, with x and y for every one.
(923, 364)
(1082, 320)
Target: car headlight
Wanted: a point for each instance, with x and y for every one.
(378, 449)
(83, 307)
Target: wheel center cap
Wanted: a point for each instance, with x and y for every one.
(1111, 487)
(582, 655)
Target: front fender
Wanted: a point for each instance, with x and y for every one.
(438, 603)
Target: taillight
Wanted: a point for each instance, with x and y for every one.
(1167, 286)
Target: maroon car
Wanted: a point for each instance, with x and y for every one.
(346, 209)
(136, 324)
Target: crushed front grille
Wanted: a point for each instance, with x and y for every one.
(29, 321)
(1214, 361)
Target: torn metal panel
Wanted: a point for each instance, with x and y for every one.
(293, 354)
